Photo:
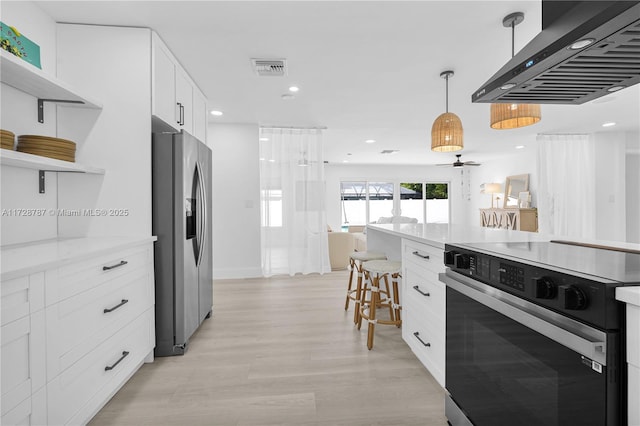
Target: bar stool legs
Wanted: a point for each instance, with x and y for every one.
(375, 271)
(352, 266)
(356, 260)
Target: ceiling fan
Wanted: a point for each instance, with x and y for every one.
(459, 163)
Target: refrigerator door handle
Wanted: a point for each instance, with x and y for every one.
(203, 213)
(199, 237)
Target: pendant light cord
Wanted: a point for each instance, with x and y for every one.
(513, 38)
(447, 93)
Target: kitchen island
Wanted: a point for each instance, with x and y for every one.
(386, 238)
(420, 247)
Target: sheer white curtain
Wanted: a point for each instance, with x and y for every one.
(292, 194)
(567, 185)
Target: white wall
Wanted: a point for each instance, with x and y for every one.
(610, 190)
(19, 114)
(236, 200)
(632, 187)
(617, 190)
(496, 171)
(115, 68)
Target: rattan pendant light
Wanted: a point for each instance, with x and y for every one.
(512, 116)
(446, 132)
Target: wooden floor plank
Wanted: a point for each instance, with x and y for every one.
(282, 351)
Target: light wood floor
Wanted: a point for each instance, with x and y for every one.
(282, 351)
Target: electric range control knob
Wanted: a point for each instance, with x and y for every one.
(545, 288)
(449, 257)
(572, 297)
(461, 261)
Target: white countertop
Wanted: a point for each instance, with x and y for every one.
(439, 234)
(21, 259)
(629, 295)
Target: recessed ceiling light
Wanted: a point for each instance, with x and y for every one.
(615, 88)
(581, 44)
(609, 124)
(294, 89)
(287, 97)
(519, 146)
(370, 141)
(508, 86)
(271, 160)
(262, 159)
(216, 113)
(345, 161)
(263, 139)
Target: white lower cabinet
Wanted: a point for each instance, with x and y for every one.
(73, 335)
(76, 394)
(423, 305)
(23, 362)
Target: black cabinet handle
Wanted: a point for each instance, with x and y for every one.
(117, 265)
(106, 311)
(421, 341)
(417, 253)
(111, 367)
(179, 113)
(416, 288)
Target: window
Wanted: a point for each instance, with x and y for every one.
(437, 203)
(272, 208)
(353, 197)
(364, 202)
(380, 200)
(429, 202)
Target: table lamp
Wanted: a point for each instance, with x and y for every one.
(492, 188)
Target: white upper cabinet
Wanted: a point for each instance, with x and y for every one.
(163, 83)
(184, 101)
(199, 116)
(177, 101)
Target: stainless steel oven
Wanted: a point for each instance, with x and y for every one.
(534, 342)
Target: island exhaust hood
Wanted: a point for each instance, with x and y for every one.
(555, 69)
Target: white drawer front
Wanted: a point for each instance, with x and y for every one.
(423, 255)
(22, 368)
(78, 324)
(427, 343)
(21, 296)
(31, 411)
(71, 391)
(83, 276)
(427, 295)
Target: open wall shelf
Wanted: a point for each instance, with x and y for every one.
(30, 161)
(27, 78)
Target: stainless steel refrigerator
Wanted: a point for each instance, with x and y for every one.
(182, 203)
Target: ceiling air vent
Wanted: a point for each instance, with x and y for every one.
(270, 67)
(389, 151)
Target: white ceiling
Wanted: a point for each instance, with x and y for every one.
(366, 69)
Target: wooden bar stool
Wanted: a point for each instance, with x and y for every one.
(374, 271)
(355, 263)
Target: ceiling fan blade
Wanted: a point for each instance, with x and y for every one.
(471, 163)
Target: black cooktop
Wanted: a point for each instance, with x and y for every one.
(597, 263)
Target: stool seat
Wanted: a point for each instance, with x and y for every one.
(365, 256)
(382, 266)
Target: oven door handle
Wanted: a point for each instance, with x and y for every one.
(572, 334)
